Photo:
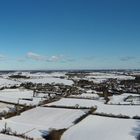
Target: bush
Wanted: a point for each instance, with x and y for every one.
(6, 130)
(54, 134)
(136, 117)
(112, 115)
(138, 137)
(19, 76)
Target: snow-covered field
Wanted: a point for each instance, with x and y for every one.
(98, 77)
(129, 110)
(86, 96)
(20, 96)
(72, 102)
(35, 122)
(40, 120)
(103, 128)
(119, 99)
(133, 100)
(109, 76)
(5, 107)
(40, 77)
(7, 83)
(43, 74)
(7, 137)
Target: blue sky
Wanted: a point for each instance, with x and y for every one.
(69, 34)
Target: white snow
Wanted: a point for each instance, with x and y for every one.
(86, 96)
(98, 77)
(43, 74)
(119, 99)
(72, 102)
(38, 120)
(7, 137)
(129, 110)
(19, 95)
(58, 74)
(5, 107)
(7, 83)
(40, 77)
(103, 128)
(109, 76)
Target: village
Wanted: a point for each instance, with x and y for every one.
(56, 105)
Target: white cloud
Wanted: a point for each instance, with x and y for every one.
(55, 58)
(38, 57)
(35, 56)
(2, 57)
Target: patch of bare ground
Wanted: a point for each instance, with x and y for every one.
(55, 134)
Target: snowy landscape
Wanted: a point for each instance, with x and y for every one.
(70, 105)
(69, 69)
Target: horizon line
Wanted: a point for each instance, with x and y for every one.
(109, 69)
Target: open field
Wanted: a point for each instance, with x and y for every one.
(5, 107)
(6, 137)
(73, 102)
(86, 96)
(128, 110)
(35, 122)
(7, 83)
(102, 128)
(120, 99)
(20, 96)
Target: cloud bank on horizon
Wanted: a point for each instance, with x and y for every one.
(38, 57)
